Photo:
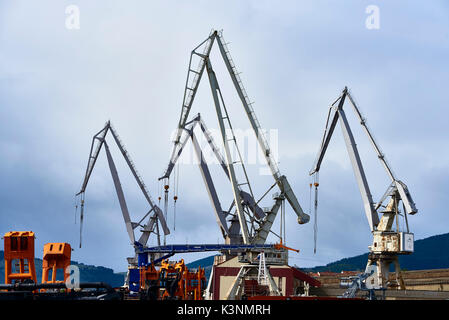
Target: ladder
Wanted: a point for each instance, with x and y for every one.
(193, 80)
(235, 75)
(230, 143)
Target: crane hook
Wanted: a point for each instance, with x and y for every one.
(81, 217)
(315, 224)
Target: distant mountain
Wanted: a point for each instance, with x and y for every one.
(88, 273)
(205, 263)
(430, 253)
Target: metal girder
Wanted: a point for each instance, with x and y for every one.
(386, 242)
(205, 173)
(362, 120)
(397, 190)
(155, 214)
(280, 179)
(236, 285)
(93, 155)
(120, 195)
(368, 203)
(190, 91)
(247, 106)
(139, 181)
(400, 186)
(247, 200)
(235, 190)
(189, 132)
(406, 197)
(264, 230)
(327, 135)
(287, 190)
(185, 248)
(191, 87)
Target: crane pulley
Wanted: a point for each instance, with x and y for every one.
(315, 210)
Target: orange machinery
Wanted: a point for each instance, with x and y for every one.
(56, 256)
(19, 253)
(189, 284)
(175, 279)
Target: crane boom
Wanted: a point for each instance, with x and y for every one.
(98, 141)
(340, 116)
(120, 195)
(238, 84)
(189, 95)
(94, 156)
(359, 172)
(402, 188)
(190, 126)
(327, 134)
(195, 77)
(140, 182)
(246, 199)
(229, 161)
(247, 105)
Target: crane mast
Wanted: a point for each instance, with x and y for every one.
(387, 242)
(244, 201)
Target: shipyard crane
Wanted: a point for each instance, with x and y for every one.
(155, 215)
(388, 242)
(243, 198)
(231, 232)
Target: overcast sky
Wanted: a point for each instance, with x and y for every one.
(127, 63)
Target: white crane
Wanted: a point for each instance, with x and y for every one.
(244, 200)
(388, 243)
(155, 215)
(260, 221)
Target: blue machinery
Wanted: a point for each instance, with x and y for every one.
(145, 256)
(170, 250)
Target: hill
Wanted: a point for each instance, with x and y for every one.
(430, 253)
(205, 263)
(88, 273)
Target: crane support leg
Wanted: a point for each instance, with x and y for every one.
(236, 284)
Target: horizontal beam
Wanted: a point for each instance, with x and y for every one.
(183, 248)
